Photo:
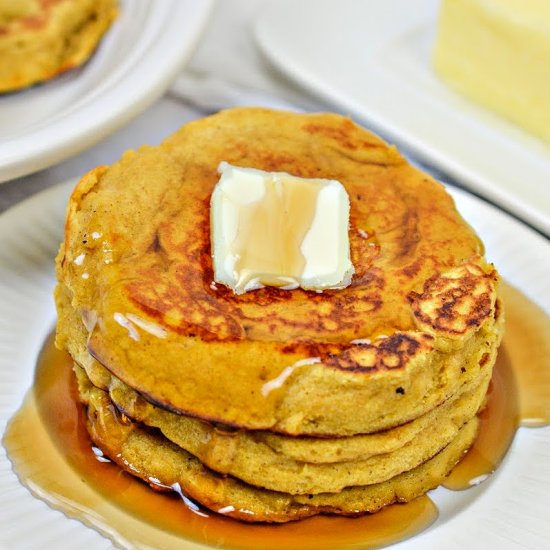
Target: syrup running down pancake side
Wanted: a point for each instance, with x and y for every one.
(53, 456)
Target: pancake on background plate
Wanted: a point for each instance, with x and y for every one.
(276, 404)
(40, 39)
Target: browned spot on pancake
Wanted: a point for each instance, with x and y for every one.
(173, 283)
(35, 22)
(412, 269)
(409, 235)
(455, 301)
(155, 245)
(176, 288)
(268, 160)
(49, 3)
(343, 134)
(312, 349)
(371, 278)
(389, 353)
(280, 162)
(39, 20)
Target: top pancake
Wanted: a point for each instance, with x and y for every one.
(422, 294)
(40, 39)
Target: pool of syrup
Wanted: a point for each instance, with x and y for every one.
(53, 456)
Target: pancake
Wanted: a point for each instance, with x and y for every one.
(307, 449)
(40, 39)
(276, 404)
(151, 457)
(256, 457)
(249, 456)
(417, 322)
(245, 456)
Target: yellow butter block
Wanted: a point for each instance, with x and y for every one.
(497, 52)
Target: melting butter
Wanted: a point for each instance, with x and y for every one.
(276, 229)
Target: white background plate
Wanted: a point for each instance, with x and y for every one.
(509, 511)
(372, 59)
(134, 64)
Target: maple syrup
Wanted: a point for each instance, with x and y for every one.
(278, 224)
(519, 393)
(52, 454)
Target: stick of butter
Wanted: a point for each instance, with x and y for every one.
(275, 229)
(497, 52)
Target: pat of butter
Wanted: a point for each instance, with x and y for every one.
(275, 229)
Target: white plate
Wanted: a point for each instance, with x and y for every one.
(134, 64)
(372, 59)
(509, 511)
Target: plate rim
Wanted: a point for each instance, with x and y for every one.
(52, 201)
(35, 150)
(268, 39)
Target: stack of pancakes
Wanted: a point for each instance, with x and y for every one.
(276, 405)
(40, 39)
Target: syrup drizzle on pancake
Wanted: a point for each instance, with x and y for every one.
(276, 225)
(48, 433)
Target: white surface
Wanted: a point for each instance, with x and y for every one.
(134, 64)
(372, 59)
(510, 511)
